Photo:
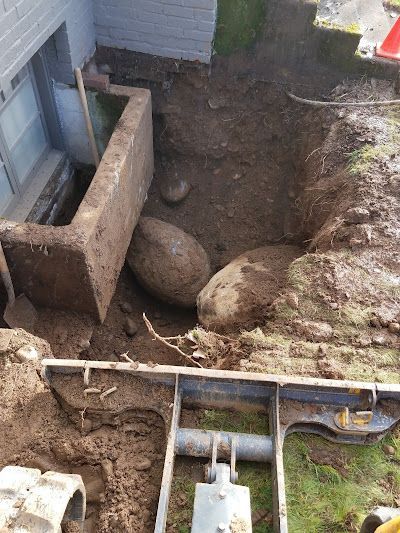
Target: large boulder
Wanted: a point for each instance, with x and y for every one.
(169, 263)
(241, 293)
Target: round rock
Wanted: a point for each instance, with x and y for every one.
(240, 293)
(27, 353)
(130, 327)
(168, 263)
(174, 191)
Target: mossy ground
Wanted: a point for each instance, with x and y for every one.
(393, 3)
(321, 497)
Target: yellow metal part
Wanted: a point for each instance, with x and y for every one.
(393, 526)
(361, 418)
(344, 418)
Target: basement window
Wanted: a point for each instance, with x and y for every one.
(24, 139)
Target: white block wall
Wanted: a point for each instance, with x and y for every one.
(180, 29)
(25, 25)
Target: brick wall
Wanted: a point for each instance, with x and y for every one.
(25, 25)
(181, 29)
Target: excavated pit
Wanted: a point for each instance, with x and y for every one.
(262, 170)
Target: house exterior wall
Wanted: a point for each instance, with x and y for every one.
(25, 25)
(180, 29)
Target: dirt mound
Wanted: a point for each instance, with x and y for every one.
(121, 466)
(241, 293)
(168, 262)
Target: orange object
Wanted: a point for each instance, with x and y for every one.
(390, 48)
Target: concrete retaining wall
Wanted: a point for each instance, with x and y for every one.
(76, 267)
(180, 29)
(72, 121)
(25, 25)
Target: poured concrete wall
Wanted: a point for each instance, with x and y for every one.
(25, 25)
(76, 267)
(104, 109)
(180, 29)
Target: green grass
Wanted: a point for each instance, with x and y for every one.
(393, 3)
(234, 421)
(321, 500)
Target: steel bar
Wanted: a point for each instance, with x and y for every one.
(169, 461)
(278, 473)
(198, 443)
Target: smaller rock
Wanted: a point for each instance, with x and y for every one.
(388, 450)
(84, 344)
(381, 339)
(364, 340)
(107, 469)
(357, 215)
(87, 425)
(126, 307)
(174, 191)
(394, 327)
(237, 176)
(314, 331)
(216, 171)
(130, 327)
(27, 353)
(142, 464)
(292, 300)
(230, 213)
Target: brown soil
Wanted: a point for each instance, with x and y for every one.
(323, 455)
(121, 465)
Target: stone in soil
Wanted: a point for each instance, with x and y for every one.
(27, 354)
(130, 327)
(241, 293)
(357, 215)
(314, 331)
(174, 191)
(169, 263)
(388, 450)
(142, 464)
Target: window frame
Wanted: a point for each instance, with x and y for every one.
(18, 187)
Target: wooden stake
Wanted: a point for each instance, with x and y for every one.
(89, 126)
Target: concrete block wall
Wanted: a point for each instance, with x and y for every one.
(25, 25)
(180, 29)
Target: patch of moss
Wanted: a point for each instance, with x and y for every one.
(392, 3)
(360, 160)
(234, 421)
(239, 24)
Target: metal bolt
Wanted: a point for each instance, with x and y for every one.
(221, 526)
